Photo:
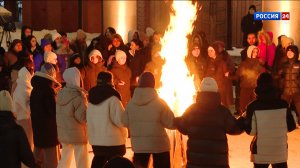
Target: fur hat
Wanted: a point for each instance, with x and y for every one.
(120, 54)
(55, 36)
(6, 103)
(50, 57)
(95, 52)
(147, 80)
(209, 84)
(250, 50)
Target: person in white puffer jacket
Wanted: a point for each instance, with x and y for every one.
(21, 97)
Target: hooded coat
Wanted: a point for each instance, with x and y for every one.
(206, 123)
(14, 146)
(147, 116)
(21, 95)
(71, 108)
(104, 117)
(89, 74)
(43, 112)
(122, 73)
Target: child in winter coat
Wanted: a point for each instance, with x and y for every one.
(147, 117)
(155, 65)
(105, 130)
(14, 146)
(289, 77)
(206, 123)
(21, 97)
(247, 74)
(71, 109)
(92, 69)
(122, 75)
(268, 119)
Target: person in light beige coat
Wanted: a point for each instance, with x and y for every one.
(71, 109)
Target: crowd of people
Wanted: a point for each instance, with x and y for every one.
(65, 94)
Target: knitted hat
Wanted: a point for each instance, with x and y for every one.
(104, 78)
(80, 34)
(5, 101)
(209, 84)
(120, 162)
(50, 57)
(147, 80)
(95, 53)
(45, 42)
(264, 84)
(250, 50)
(120, 54)
(55, 36)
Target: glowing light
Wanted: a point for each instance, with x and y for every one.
(178, 88)
(285, 28)
(121, 19)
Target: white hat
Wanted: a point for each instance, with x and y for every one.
(5, 101)
(72, 76)
(50, 57)
(95, 52)
(209, 84)
(120, 54)
(55, 36)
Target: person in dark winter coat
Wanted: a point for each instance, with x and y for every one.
(92, 69)
(251, 40)
(206, 124)
(289, 77)
(246, 75)
(122, 75)
(14, 146)
(43, 116)
(217, 69)
(197, 65)
(32, 45)
(249, 25)
(75, 61)
(268, 119)
(147, 117)
(136, 61)
(105, 130)
(25, 32)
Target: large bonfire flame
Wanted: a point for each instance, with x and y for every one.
(178, 87)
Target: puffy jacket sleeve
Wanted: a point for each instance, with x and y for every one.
(167, 116)
(181, 123)
(80, 105)
(116, 112)
(232, 125)
(25, 152)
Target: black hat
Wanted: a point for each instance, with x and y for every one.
(252, 7)
(104, 78)
(147, 80)
(294, 49)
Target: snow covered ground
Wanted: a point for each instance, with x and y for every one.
(239, 151)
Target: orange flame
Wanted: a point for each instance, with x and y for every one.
(178, 88)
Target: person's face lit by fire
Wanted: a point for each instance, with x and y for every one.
(116, 42)
(48, 48)
(255, 53)
(27, 32)
(134, 46)
(251, 39)
(211, 53)
(33, 42)
(77, 61)
(290, 54)
(18, 47)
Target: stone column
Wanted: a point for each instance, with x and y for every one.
(121, 15)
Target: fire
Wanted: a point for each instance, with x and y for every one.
(178, 88)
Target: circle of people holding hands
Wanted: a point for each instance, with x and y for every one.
(63, 94)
